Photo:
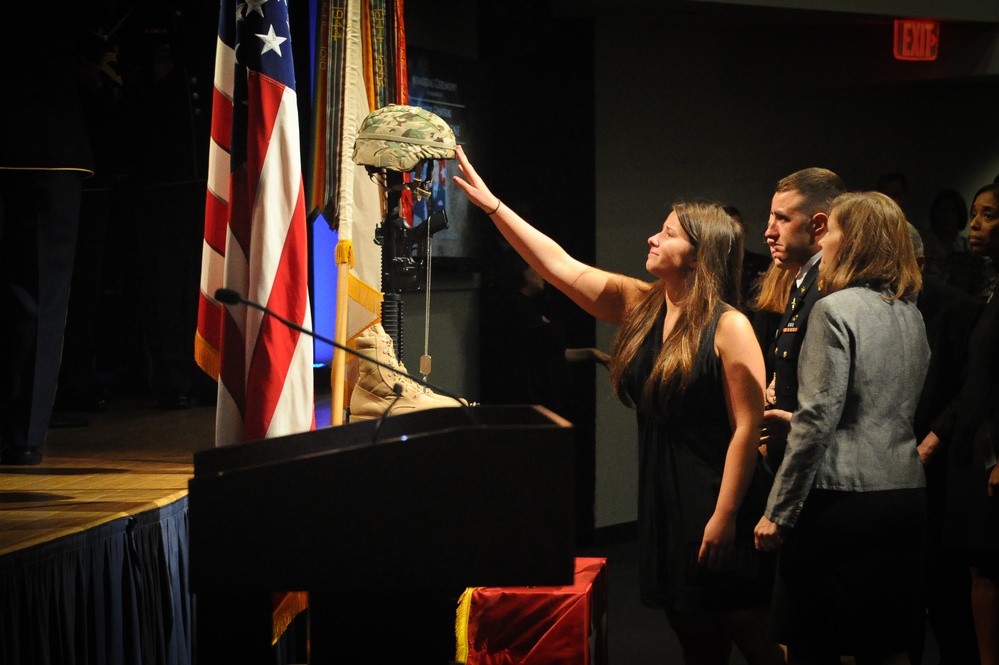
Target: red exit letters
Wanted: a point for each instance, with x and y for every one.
(916, 39)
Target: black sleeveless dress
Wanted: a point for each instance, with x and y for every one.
(681, 459)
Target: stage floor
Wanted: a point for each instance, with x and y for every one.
(132, 458)
(129, 459)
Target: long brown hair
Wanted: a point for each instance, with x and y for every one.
(718, 241)
(770, 292)
(876, 249)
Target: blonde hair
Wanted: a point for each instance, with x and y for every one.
(718, 242)
(876, 249)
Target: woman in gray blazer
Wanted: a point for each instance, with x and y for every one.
(848, 504)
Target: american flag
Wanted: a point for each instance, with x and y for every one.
(256, 238)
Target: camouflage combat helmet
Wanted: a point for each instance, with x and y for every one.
(398, 137)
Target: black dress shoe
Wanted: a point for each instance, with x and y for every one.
(21, 455)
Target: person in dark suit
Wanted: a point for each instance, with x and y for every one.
(948, 314)
(968, 430)
(848, 505)
(45, 152)
(948, 254)
(798, 215)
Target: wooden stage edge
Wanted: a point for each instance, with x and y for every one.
(130, 459)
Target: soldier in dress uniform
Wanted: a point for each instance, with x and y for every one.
(798, 215)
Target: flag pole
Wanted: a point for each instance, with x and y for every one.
(337, 373)
(344, 248)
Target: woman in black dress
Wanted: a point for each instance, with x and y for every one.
(969, 430)
(691, 365)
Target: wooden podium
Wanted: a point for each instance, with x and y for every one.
(372, 517)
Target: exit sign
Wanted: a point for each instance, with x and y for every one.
(916, 39)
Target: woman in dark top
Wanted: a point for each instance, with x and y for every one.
(948, 254)
(691, 364)
(682, 457)
(969, 430)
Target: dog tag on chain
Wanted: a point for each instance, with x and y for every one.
(424, 364)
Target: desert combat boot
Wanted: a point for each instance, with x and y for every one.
(374, 392)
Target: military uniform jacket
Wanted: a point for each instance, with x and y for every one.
(788, 338)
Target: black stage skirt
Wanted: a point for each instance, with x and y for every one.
(849, 574)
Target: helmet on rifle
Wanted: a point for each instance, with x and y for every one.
(398, 137)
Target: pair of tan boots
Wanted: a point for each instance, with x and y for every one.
(374, 393)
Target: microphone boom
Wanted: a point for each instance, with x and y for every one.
(232, 297)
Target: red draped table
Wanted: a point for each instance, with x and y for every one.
(537, 625)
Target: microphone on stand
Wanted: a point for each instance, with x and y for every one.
(232, 297)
